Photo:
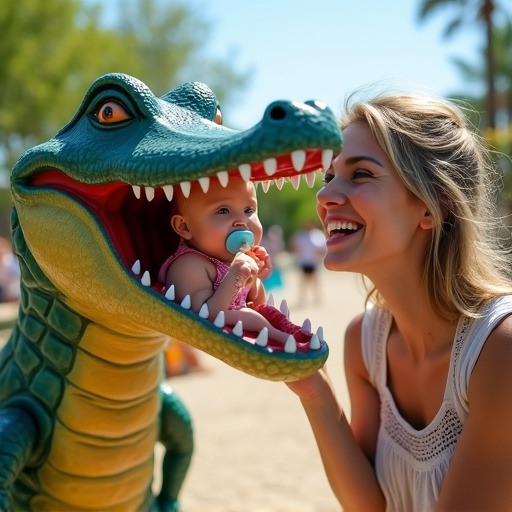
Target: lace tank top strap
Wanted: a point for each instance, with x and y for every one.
(374, 333)
(472, 335)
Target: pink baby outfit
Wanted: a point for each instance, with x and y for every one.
(238, 300)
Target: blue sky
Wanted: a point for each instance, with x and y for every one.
(324, 49)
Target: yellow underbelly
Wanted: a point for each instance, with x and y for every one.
(101, 456)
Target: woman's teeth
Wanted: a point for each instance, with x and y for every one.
(338, 225)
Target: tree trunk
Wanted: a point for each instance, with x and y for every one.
(487, 11)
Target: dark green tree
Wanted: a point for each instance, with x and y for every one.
(46, 51)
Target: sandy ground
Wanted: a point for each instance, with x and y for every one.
(255, 451)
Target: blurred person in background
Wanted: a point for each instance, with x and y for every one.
(274, 244)
(9, 273)
(308, 246)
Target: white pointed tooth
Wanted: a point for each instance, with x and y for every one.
(205, 183)
(168, 191)
(283, 307)
(136, 191)
(245, 171)
(270, 299)
(204, 312)
(220, 320)
(314, 342)
(238, 330)
(150, 193)
(146, 279)
(310, 178)
(270, 166)
(185, 188)
(295, 181)
(265, 185)
(290, 346)
(223, 178)
(320, 332)
(186, 302)
(170, 294)
(262, 338)
(136, 267)
(298, 159)
(326, 158)
(279, 183)
(306, 325)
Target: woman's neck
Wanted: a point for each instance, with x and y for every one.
(422, 329)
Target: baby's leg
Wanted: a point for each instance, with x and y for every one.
(253, 321)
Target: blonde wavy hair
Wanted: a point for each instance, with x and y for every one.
(445, 164)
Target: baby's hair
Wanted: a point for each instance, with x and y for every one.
(445, 164)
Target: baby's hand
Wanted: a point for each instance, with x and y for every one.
(262, 259)
(246, 267)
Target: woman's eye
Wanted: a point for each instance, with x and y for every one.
(112, 112)
(327, 177)
(361, 173)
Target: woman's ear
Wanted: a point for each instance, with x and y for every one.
(180, 226)
(427, 221)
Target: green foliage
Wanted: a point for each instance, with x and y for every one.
(288, 208)
(52, 50)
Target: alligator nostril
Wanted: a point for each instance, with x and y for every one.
(277, 113)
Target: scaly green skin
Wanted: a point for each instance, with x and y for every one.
(79, 378)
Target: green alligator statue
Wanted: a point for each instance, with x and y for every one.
(82, 395)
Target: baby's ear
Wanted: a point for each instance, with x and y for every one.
(180, 226)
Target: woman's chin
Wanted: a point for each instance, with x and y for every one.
(336, 263)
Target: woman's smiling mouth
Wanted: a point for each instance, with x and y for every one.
(342, 227)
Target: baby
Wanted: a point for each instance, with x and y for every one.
(204, 269)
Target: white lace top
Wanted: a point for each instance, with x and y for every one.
(411, 464)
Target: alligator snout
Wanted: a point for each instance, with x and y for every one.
(290, 111)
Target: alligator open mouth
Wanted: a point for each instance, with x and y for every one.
(135, 216)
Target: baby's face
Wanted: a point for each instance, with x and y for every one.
(210, 217)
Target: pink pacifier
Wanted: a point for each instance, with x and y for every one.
(239, 240)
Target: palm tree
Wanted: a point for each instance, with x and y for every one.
(475, 72)
(480, 11)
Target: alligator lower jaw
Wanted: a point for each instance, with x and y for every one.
(300, 338)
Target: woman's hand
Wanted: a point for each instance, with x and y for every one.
(313, 387)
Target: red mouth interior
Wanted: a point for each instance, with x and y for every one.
(137, 228)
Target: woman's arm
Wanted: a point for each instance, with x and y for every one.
(480, 473)
(347, 452)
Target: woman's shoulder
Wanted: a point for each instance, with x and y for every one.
(490, 385)
(498, 346)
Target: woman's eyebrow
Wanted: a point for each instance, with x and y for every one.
(355, 159)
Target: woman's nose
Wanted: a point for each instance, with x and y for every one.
(333, 193)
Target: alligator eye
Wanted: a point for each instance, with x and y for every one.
(218, 116)
(112, 112)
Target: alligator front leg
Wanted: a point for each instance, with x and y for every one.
(18, 434)
(176, 434)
